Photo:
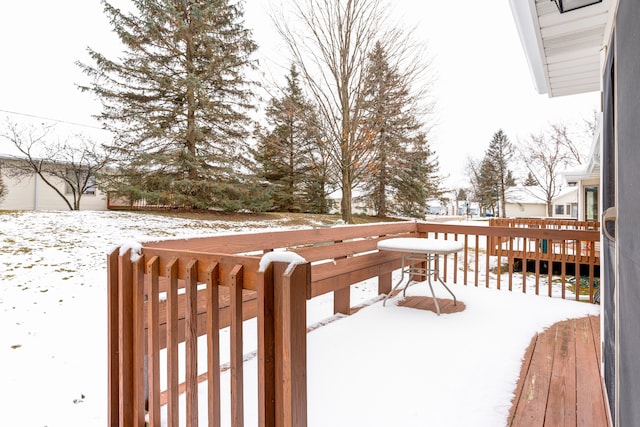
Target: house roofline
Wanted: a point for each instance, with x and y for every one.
(529, 31)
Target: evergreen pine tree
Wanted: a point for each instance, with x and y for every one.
(177, 101)
(318, 184)
(498, 156)
(485, 185)
(402, 165)
(530, 181)
(286, 150)
(418, 180)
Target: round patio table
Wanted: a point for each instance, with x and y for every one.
(420, 258)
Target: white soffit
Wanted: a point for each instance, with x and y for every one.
(563, 50)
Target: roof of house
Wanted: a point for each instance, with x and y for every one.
(525, 195)
(563, 50)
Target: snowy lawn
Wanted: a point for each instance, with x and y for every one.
(382, 366)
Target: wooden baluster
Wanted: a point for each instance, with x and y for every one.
(125, 343)
(191, 342)
(138, 342)
(213, 344)
(113, 310)
(153, 340)
(171, 273)
(237, 371)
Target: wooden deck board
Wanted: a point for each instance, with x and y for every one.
(560, 382)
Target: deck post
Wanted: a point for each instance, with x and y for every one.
(290, 322)
(384, 283)
(266, 350)
(342, 301)
(112, 322)
(125, 341)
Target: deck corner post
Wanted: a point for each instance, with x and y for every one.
(113, 345)
(342, 301)
(125, 342)
(291, 345)
(266, 349)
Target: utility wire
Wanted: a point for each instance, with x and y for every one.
(50, 119)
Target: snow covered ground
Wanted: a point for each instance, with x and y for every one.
(382, 366)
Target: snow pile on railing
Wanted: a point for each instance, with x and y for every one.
(281, 256)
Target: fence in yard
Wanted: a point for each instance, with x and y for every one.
(115, 202)
(178, 290)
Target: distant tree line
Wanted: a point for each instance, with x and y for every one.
(351, 117)
(353, 113)
(536, 162)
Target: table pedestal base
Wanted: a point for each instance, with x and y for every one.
(422, 265)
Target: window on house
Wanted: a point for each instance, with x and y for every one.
(559, 210)
(574, 210)
(75, 176)
(591, 203)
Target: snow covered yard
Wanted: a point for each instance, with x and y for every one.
(379, 367)
(53, 343)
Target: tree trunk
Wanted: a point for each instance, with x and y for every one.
(345, 203)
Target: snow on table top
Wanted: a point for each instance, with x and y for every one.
(420, 245)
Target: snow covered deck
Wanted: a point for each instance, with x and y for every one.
(560, 380)
(173, 288)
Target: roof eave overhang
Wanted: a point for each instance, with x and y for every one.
(563, 51)
(526, 19)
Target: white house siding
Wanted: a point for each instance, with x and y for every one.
(525, 210)
(568, 199)
(525, 202)
(31, 193)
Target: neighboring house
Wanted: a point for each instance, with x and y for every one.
(565, 204)
(529, 202)
(435, 207)
(597, 48)
(525, 202)
(31, 193)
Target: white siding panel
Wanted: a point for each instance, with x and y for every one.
(31, 193)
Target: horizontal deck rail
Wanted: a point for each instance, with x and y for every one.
(500, 248)
(178, 290)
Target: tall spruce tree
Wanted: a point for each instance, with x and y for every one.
(499, 155)
(417, 180)
(530, 181)
(486, 187)
(318, 183)
(402, 164)
(330, 42)
(286, 149)
(177, 101)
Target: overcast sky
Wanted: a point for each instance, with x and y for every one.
(483, 80)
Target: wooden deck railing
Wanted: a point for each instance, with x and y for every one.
(158, 301)
(568, 258)
(178, 290)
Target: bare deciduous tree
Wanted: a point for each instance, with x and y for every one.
(75, 163)
(3, 187)
(546, 156)
(329, 41)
